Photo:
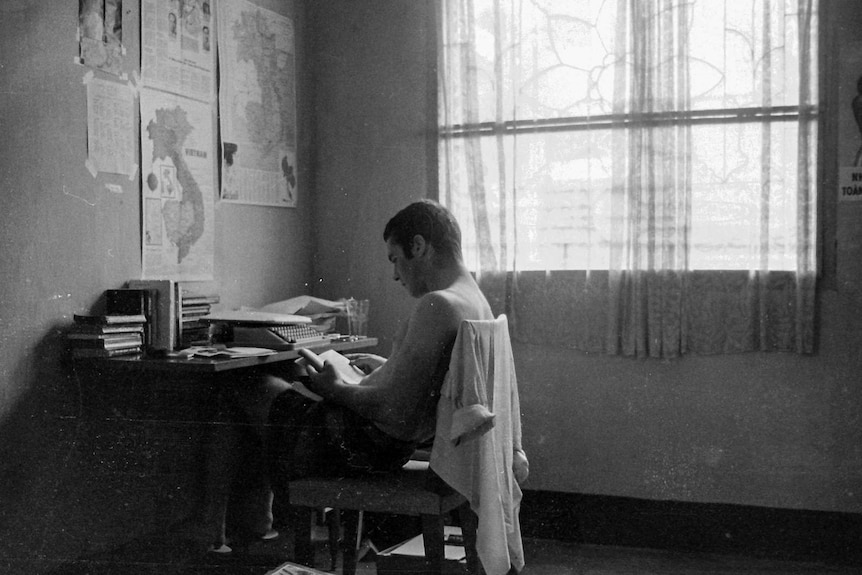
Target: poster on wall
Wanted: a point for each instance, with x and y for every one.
(100, 35)
(850, 124)
(110, 127)
(178, 46)
(177, 166)
(257, 105)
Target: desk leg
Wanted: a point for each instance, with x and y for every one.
(303, 548)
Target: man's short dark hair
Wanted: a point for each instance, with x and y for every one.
(430, 220)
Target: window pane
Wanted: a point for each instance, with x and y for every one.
(569, 68)
(733, 167)
(563, 209)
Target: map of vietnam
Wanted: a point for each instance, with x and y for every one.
(183, 218)
(257, 104)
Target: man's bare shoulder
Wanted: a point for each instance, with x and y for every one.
(437, 309)
(459, 302)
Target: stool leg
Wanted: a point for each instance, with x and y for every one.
(350, 520)
(469, 524)
(432, 534)
(333, 522)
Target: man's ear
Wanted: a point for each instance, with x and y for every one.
(418, 246)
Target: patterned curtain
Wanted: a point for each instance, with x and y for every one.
(636, 177)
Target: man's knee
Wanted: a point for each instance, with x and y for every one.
(257, 397)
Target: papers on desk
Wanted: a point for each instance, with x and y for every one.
(305, 305)
(222, 352)
(321, 312)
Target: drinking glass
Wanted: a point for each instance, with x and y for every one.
(357, 317)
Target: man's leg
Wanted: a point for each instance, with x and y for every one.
(253, 498)
(237, 438)
(222, 454)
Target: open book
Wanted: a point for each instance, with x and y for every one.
(349, 374)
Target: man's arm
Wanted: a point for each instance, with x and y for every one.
(392, 393)
(365, 362)
(368, 362)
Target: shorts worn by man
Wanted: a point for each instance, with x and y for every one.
(376, 425)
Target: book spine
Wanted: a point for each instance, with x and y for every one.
(83, 352)
(95, 329)
(134, 301)
(107, 343)
(116, 336)
(200, 299)
(195, 310)
(109, 319)
(165, 335)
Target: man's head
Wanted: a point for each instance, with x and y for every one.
(423, 239)
(430, 220)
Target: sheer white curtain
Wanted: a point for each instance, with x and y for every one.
(654, 158)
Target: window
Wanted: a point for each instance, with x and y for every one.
(579, 134)
(663, 151)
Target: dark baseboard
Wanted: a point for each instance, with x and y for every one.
(763, 532)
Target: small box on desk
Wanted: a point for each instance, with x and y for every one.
(408, 557)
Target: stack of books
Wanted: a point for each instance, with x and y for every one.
(193, 306)
(106, 335)
(173, 312)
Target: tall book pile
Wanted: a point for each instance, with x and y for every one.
(106, 335)
(193, 306)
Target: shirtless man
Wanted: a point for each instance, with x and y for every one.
(400, 394)
(375, 425)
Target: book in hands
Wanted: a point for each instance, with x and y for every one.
(349, 373)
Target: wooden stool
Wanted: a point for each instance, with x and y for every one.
(414, 490)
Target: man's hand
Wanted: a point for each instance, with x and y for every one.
(520, 466)
(323, 382)
(366, 362)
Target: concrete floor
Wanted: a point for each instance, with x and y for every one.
(171, 555)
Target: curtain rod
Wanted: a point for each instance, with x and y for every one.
(579, 123)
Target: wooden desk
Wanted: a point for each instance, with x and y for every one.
(150, 425)
(203, 365)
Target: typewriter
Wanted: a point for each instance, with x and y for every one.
(273, 331)
(280, 337)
